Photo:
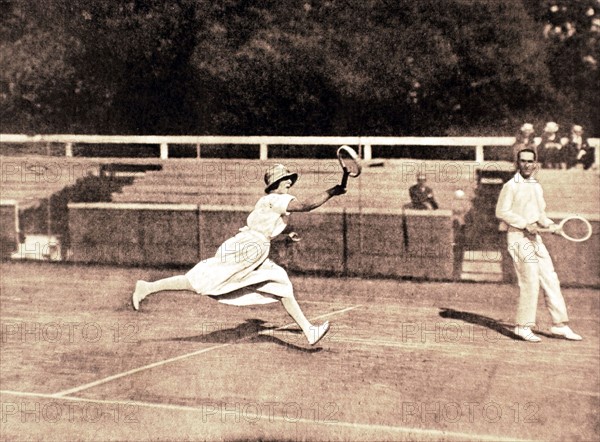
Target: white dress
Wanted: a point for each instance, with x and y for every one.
(241, 273)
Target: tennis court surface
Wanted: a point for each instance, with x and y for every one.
(405, 360)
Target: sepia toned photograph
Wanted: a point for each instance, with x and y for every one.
(313, 220)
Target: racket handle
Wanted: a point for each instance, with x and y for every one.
(345, 178)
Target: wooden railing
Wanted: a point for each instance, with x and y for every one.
(364, 144)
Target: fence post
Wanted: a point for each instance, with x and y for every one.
(69, 149)
(479, 154)
(264, 152)
(164, 151)
(368, 153)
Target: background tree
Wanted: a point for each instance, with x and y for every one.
(36, 79)
(571, 29)
(303, 67)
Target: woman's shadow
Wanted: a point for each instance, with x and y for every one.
(250, 331)
(503, 328)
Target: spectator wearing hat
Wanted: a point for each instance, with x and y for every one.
(421, 195)
(578, 150)
(241, 272)
(550, 154)
(525, 139)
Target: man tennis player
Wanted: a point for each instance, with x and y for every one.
(241, 273)
(522, 209)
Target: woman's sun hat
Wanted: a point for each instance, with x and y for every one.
(278, 173)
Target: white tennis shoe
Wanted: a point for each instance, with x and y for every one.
(317, 332)
(565, 332)
(138, 295)
(526, 334)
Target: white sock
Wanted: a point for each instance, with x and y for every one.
(179, 282)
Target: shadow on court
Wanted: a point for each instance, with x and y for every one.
(249, 332)
(485, 321)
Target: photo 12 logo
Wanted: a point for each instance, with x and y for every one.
(455, 412)
(27, 411)
(66, 332)
(252, 412)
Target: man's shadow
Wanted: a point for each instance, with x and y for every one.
(250, 331)
(485, 321)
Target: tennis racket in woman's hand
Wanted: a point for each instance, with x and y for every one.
(350, 163)
(574, 228)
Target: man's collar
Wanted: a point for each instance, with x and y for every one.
(519, 178)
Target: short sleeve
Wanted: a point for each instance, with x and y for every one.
(279, 203)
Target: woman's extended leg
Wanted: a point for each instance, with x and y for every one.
(313, 333)
(144, 288)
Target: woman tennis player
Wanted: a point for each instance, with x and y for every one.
(241, 273)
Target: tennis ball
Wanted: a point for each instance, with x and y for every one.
(459, 194)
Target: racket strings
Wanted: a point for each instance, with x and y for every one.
(350, 164)
(575, 228)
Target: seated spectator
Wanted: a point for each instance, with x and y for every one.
(525, 139)
(578, 150)
(550, 149)
(421, 196)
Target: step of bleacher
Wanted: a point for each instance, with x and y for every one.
(482, 265)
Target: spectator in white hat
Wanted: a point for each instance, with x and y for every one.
(549, 151)
(525, 139)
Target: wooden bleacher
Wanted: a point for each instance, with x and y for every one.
(29, 180)
(383, 184)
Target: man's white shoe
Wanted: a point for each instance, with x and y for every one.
(526, 334)
(565, 332)
(318, 332)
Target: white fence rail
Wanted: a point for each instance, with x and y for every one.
(365, 143)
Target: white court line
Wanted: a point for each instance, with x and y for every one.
(178, 358)
(411, 431)
(135, 370)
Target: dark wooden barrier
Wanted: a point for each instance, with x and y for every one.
(9, 228)
(218, 223)
(323, 243)
(369, 243)
(134, 234)
(320, 249)
(408, 243)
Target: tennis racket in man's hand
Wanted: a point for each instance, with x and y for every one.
(350, 163)
(574, 228)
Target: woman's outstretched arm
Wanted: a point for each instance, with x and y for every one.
(316, 200)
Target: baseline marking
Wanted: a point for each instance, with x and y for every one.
(353, 425)
(178, 358)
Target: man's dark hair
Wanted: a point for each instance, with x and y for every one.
(526, 150)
